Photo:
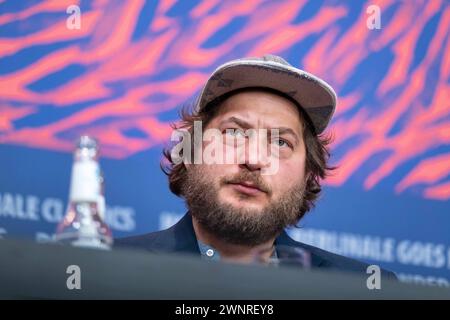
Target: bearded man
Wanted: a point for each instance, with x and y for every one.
(238, 210)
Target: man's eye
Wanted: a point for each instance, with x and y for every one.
(282, 143)
(235, 132)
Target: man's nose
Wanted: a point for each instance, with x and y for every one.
(256, 154)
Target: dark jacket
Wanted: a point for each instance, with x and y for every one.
(181, 238)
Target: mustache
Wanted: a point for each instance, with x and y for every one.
(246, 176)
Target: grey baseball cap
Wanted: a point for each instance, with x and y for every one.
(314, 95)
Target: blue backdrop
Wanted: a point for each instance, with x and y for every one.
(120, 70)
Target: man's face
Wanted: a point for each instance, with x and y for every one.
(242, 204)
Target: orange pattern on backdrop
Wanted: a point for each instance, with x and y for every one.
(406, 120)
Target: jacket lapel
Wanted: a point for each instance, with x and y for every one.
(181, 238)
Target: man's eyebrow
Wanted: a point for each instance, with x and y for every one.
(285, 130)
(246, 125)
(239, 122)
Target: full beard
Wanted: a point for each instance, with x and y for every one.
(240, 226)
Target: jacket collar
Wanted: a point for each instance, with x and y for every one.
(180, 237)
(183, 239)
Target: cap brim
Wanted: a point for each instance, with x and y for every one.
(314, 95)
